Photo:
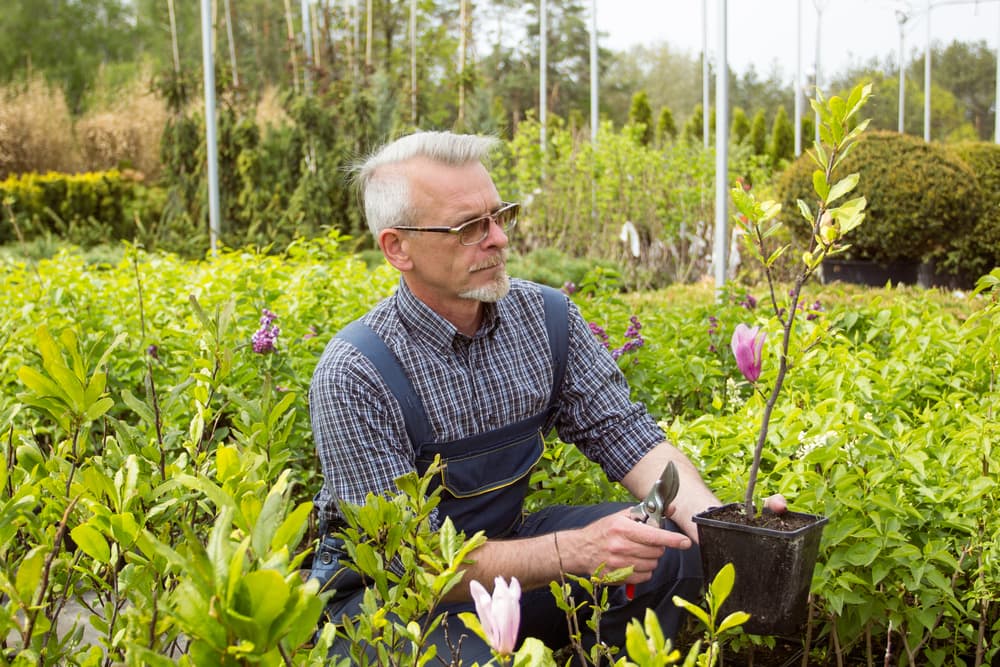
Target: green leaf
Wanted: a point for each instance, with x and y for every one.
(91, 542)
(227, 463)
(820, 185)
(267, 521)
(29, 574)
(267, 593)
(722, 585)
(733, 620)
(694, 610)
(291, 530)
(41, 385)
(144, 412)
(842, 187)
(98, 409)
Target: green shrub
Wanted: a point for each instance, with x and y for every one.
(81, 208)
(921, 198)
(979, 251)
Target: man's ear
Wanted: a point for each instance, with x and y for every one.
(395, 248)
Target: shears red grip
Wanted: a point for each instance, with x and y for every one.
(655, 505)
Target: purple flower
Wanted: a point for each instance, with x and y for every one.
(312, 333)
(266, 336)
(153, 351)
(749, 302)
(499, 614)
(569, 287)
(600, 334)
(747, 346)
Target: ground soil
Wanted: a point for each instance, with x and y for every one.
(788, 522)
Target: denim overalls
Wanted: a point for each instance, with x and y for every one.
(485, 480)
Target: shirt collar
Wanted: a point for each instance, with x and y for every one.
(418, 317)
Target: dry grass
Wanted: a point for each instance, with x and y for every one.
(36, 129)
(38, 133)
(125, 134)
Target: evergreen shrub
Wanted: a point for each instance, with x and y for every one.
(979, 252)
(921, 200)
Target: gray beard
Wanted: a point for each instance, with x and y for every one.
(489, 293)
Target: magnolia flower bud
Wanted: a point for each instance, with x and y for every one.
(499, 614)
(747, 345)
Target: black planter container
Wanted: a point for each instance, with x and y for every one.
(774, 569)
(871, 274)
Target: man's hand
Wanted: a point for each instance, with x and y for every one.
(617, 541)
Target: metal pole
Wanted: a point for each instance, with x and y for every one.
(927, 78)
(704, 72)
(413, 62)
(208, 60)
(798, 77)
(594, 120)
(819, 33)
(307, 41)
(721, 156)
(901, 18)
(543, 30)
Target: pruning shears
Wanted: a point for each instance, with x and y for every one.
(655, 505)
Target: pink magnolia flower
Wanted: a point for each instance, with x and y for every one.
(747, 345)
(500, 615)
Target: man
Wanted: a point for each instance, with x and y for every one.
(474, 347)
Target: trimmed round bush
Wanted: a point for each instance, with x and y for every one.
(979, 252)
(921, 197)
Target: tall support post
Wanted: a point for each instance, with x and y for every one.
(901, 19)
(308, 47)
(927, 78)
(996, 104)
(798, 77)
(211, 146)
(594, 113)
(721, 245)
(413, 62)
(819, 33)
(543, 38)
(705, 130)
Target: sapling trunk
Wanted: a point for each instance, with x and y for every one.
(765, 419)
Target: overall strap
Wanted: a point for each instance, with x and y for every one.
(557, 327)
(372, 346)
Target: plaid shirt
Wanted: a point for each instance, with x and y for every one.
(500, 375)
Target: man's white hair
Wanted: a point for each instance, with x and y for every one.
(385, 193)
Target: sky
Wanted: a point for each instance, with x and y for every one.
(763, 32)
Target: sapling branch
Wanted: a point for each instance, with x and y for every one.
(825, 238)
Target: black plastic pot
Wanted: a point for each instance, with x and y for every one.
(871, 274)
(774, 569)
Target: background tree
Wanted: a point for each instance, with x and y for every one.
(758, 133)
(68, 41)
(666, 129)
(740, 127)
(782, 145)
(641, 113)
(694, 127)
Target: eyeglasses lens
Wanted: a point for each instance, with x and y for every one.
(477, 230)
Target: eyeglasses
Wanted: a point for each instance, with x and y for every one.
(472, 232)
